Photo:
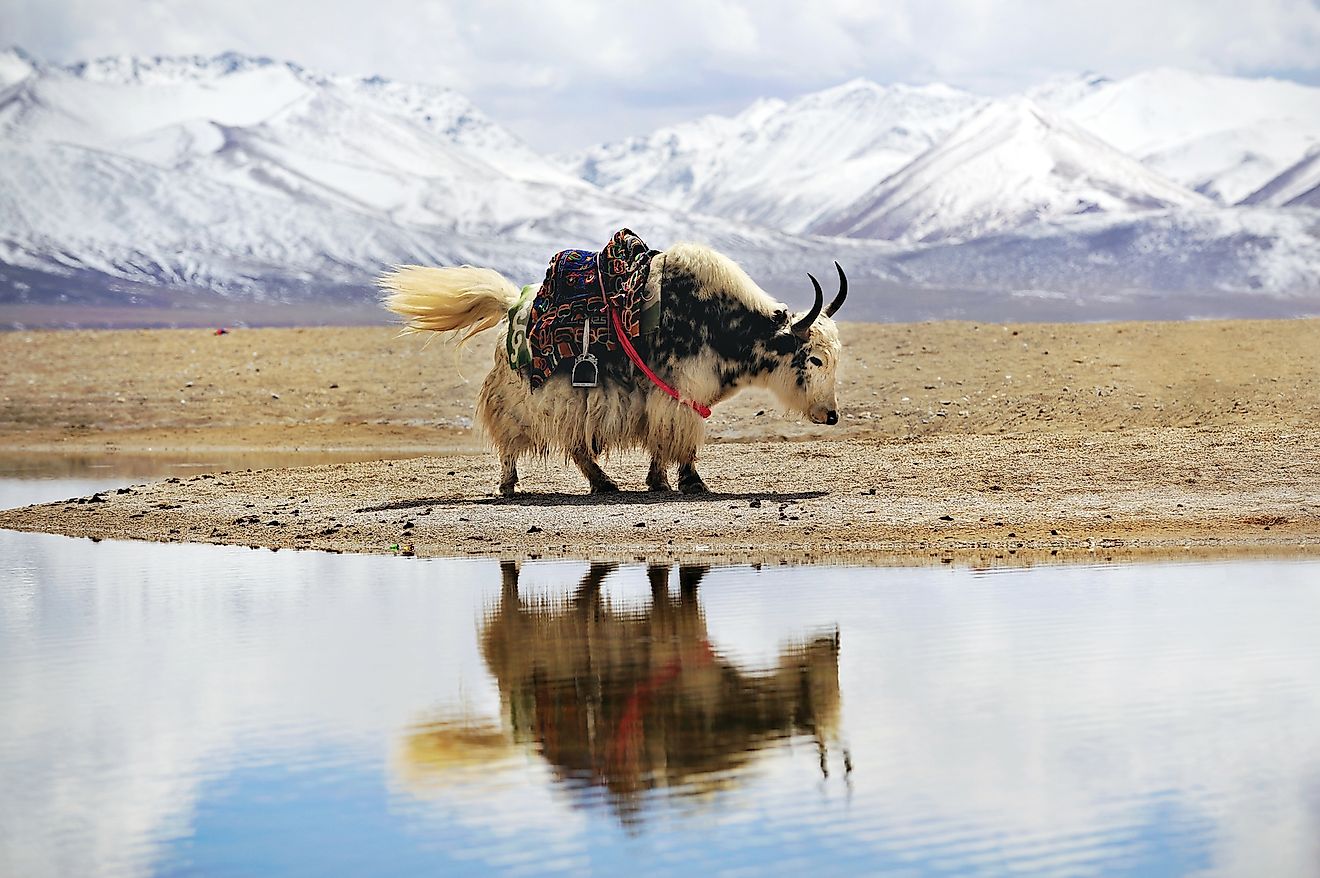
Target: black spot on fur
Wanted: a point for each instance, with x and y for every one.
(784, 343)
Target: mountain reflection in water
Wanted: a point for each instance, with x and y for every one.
(633, 699)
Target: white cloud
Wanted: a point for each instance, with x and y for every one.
(643, 64)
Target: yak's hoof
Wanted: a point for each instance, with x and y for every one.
(604, 488)
(658, 487)
(693, 486)
(507, 490)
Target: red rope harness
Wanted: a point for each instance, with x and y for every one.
(624, 745)
(699, 408)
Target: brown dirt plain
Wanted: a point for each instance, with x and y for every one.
(966, 442)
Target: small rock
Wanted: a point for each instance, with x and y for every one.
(946, 518)
(640, 524)
(755, 504)
(274, 396)
(533, 530)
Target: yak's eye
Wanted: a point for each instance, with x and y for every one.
(815, 361)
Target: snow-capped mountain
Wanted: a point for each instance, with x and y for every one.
(241, 177)
(1191, 253)
(407, 153)
(1220, 135)
(248, 175)
(1298, 186)
(817, 163)
(783, 165)
(1010, 164)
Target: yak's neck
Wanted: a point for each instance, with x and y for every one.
(717, 344)
(720, 325)
(713, 342)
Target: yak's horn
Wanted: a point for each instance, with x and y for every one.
(843, 292)
(803, 326)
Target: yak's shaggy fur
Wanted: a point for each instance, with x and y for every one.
(719, 332)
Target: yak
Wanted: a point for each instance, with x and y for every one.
(718, 333)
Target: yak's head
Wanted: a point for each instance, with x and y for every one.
(808, 351)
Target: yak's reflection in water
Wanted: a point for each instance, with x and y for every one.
(636, 699)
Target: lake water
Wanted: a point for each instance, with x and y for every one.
(187, 709)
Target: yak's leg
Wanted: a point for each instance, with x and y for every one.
(658, 576)
(587, 595)
(509, 580)
(689, 577)
(600, 483)
(502, 409)
(508, 472)
(657, 479)
(689, 480)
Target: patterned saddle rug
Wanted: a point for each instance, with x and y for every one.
(546, 325)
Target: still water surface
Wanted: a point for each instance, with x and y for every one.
(182, 709)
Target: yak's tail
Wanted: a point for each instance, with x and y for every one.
(448, 299)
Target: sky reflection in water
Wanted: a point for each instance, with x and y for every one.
(182, 709)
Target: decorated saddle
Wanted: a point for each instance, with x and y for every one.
(606, 290)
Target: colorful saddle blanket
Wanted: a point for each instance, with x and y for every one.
(546, 328)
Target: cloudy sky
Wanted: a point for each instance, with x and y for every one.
(565, 73)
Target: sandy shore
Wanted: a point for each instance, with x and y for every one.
(957, 439)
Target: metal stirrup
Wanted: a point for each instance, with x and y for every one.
(585, 370)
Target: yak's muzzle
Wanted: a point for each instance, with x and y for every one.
(822, 415)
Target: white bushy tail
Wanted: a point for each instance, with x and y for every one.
(448, 299)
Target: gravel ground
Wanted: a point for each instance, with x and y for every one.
(959, 441)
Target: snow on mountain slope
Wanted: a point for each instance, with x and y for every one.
(1298, 186)
(1228, 165)
(218, 171)
(1011, 164)
(1197, 253)
(128, 219)
(71, 210)
(782, 165)
(1061, 92)
(173, 111)
(15, 66)
(1220, 135)
(260, 180)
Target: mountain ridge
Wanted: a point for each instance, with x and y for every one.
(1010, 163)
(256, 179)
